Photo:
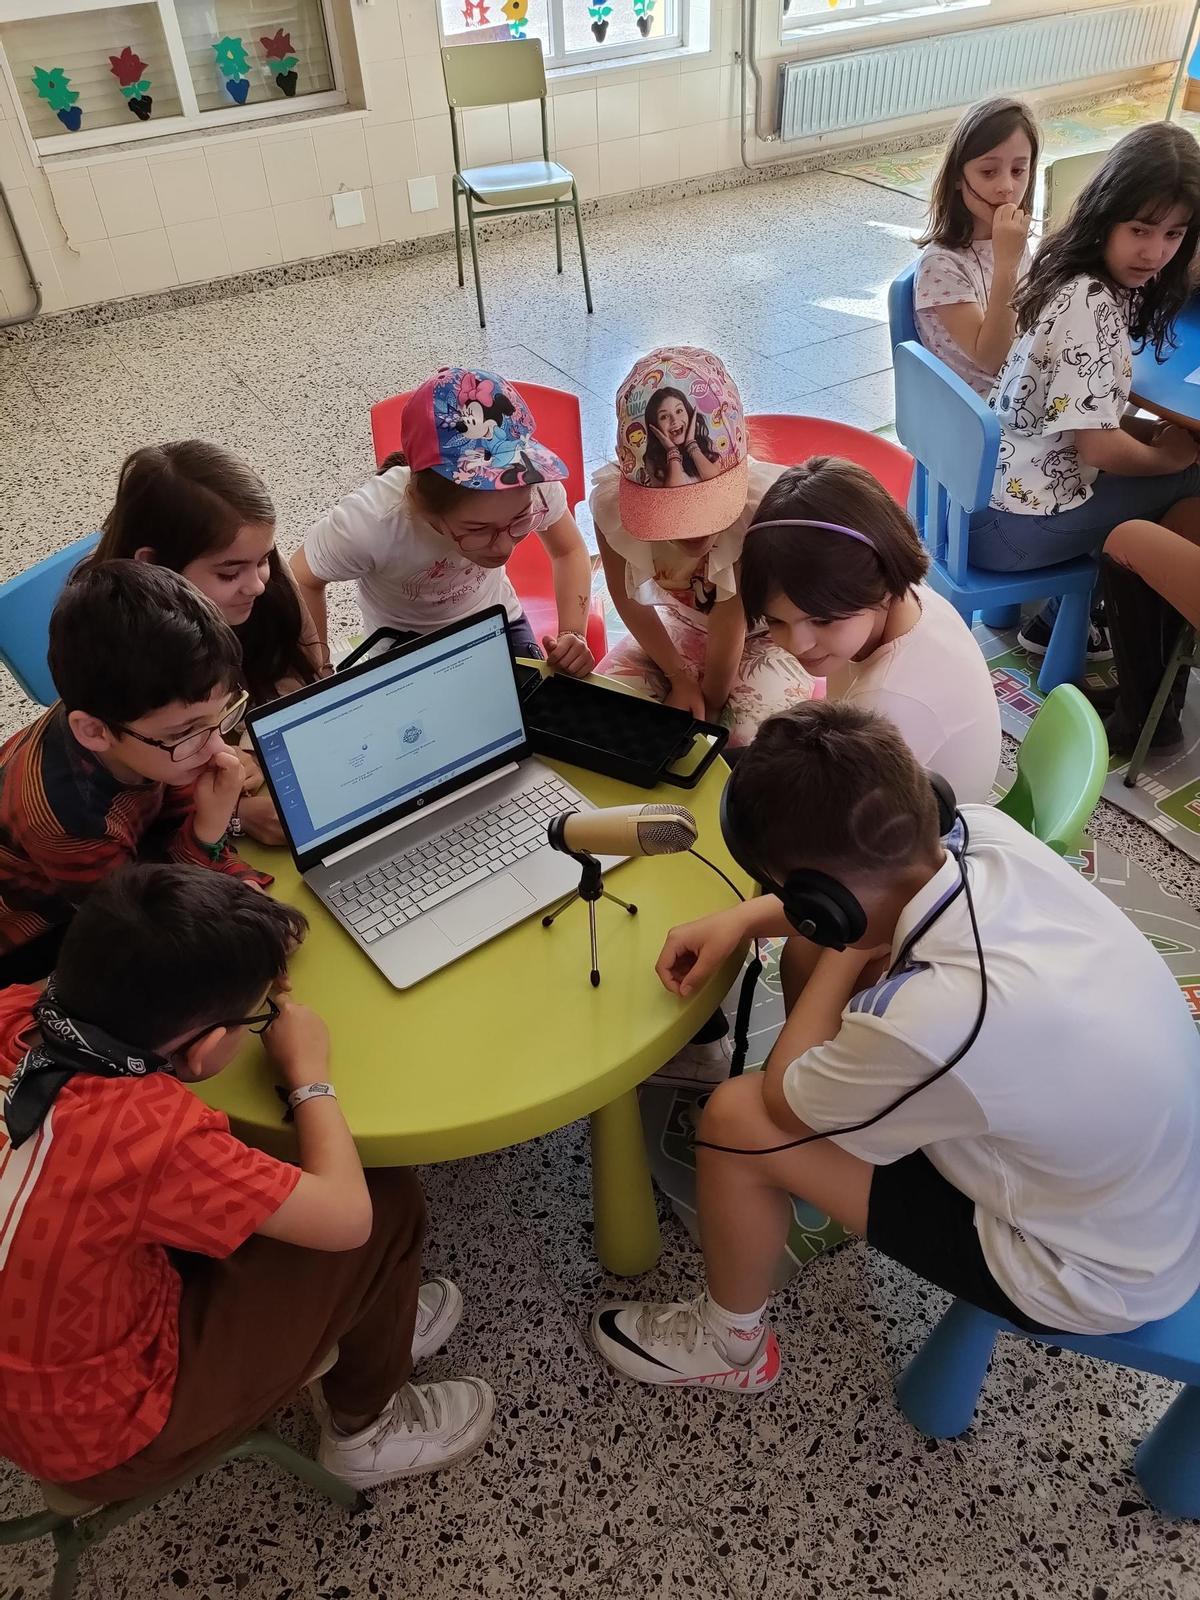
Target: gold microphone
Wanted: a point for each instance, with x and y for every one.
(651, 830)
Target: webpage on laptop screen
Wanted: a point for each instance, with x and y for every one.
(359, 748)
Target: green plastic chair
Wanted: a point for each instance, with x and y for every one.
(1061, 768)
(505, 74)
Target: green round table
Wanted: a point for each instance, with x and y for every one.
(510, 1041)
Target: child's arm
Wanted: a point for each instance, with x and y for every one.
(201, 816)
(312, 593)
(693, 951)
(1118, 450)
(987, 336)
(644, 624)
(572, 570)
(330, 1207)
(723, 653)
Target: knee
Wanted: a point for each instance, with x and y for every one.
(734, 1108)
(1122, 541)
(398, 1201)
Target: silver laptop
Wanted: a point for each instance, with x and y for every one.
(412, 803)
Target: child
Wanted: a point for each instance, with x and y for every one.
(428, 538)
(1072, 465)
(670, 519)
(130, 760)
(1029, 1170)
(163, 1288)
(976, 244)
(833, 567)
(194, 507)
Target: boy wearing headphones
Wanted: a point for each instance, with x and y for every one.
(956, 1080)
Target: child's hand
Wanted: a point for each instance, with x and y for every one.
(297, 1043)
(569, 653)
(1177, 445)
(217, 791)
(252, 777)
(1010, 234)
(685, 695)
(694, 951)
(259, 818)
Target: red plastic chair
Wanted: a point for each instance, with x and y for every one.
(791, 440)
(558, 426)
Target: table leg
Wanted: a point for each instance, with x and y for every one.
(627, 1238)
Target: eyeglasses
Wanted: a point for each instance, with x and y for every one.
(476, 543)
(258, 1023)
(192, 743)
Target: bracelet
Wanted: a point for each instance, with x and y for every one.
(235, 822)
(673, 454)
(213, 851)
(307, 1091)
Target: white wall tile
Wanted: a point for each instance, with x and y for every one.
(699, 149)
(378, 28)
(426, 86)
(251, 239)
(699, 97)
(75, 201)
(419, 25)
(525, 129)
(620, 165)
(13, 157)
(435, 153)
(487, 135)
(660, 157)
(199, 250)
(363, 234)
(394, 218)
(575, 119)
(386, 84)
(341, 158)
(45, 271)
(658, 104)
(144, 261)
(392, 153)
(237, 176)
(14, 281)
(305, 228)
(291, 169)
(584, 165)
(617, 110)
(185, 193)
(126, 198)
(29, 224)
(88, 273)
(730, 104)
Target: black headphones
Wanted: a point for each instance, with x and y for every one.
(817, 905)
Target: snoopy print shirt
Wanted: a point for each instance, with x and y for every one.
(1072, 370)
(410, 576)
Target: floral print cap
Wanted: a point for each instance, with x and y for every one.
(476, 430)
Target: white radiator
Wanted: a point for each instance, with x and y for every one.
(873, 86)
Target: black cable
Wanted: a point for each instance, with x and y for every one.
(741, 1024)
(692, 851)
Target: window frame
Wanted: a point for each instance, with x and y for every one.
(554, 53)
(859, 13)
(192, 120)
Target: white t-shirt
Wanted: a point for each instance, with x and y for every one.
(409, 576)
(1073, 1122)
(934, 684)
(1073, 369)
(956, 278)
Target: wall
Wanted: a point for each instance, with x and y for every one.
(109, 223)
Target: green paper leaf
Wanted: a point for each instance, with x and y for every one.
(286, 65)
(54, 88)
(231, 57)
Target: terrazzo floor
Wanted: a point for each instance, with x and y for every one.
(591, 1486)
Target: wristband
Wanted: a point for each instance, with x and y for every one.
(235, 822)
(310, 1091)
(673, 454)
(213, 851)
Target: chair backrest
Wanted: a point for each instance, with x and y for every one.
(26, 602)
(1062, 180)
(788, 440)
(955, 440)
(1061, 768)
(496, 74)
(902, 314)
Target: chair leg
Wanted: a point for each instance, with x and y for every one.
(1168, 1459)
(1001, 617)
(265, 1443)
(68, 1547)
(558, 236)
(1063, 661)
(587, 283)
(939, 1388)
(1183, 649)
(457, 231)
(475, 258)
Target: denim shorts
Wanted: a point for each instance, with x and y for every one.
(1010, 541)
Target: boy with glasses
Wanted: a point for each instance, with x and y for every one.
(131, 762)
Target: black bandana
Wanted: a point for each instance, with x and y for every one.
(67, 1046)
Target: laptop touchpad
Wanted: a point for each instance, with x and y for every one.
(473, 913)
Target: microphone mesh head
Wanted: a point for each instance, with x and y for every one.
(677, 831)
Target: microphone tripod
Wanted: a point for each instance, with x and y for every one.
(591, 888)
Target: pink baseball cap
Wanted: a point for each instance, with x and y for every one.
(671, 393)
(476, 430)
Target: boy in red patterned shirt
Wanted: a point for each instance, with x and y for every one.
(130, 763)
(163, 1287)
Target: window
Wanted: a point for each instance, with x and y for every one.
(572, 32)
(829, 13)
(88, 73)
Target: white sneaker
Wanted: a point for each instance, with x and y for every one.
(698, 1066)
(425, 1426)
(673, 1344)
(439, 1310)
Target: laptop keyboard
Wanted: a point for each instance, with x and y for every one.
(379, 901)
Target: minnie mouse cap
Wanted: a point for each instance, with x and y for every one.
(476, 430)
(712, 411)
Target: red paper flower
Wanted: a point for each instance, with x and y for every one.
(126, 68)
(277, 46)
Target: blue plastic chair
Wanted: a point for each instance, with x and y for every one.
(902, 312)
(26, 602)
(955, 439)
(939, 1388)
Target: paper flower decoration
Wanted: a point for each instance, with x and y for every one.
(475, 13)
(281, 61)
(600, 14)
(517, 12)
(643, 11)
(54, 87)
(127, 69)
(233, 65)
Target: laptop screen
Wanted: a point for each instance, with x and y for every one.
(376, 742)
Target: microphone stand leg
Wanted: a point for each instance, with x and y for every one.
(625, 905)
(551, 917)
(592, 934)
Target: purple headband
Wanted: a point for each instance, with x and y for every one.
(803, 522)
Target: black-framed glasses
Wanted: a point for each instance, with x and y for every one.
(193, 743)
(258, 1023)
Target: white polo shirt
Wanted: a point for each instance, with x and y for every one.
(1073, 1122)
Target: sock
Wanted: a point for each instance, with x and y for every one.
(739, 1333)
